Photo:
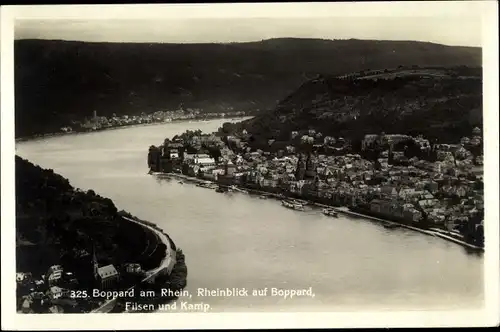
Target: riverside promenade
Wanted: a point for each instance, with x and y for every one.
(344, 210)
(165, 266)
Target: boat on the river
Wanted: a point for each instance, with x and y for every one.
(292, 205)
(330, 212)
(390, 225)
(234, 188)
(208, 185)
(180, 182)
(221, 190)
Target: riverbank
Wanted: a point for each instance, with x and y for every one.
(49, 135)
(343, 210)
(168, 261)
(346, 211)
(64, 230)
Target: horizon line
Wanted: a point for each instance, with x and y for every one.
(239, 42)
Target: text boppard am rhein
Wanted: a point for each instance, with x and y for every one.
(185, 305)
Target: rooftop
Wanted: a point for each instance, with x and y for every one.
(107, 271)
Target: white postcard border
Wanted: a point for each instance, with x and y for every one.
(489, 316)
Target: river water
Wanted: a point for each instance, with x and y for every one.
(235, 240)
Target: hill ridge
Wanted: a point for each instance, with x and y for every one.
(439, 103)
(267, 40)
(58, 82)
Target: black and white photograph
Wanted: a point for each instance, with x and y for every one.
(305, 160)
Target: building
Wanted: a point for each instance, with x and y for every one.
(174, 153)
(412, 215)
(204, 160)
(55, 293)
(189, 157)
(380, 206)
(105, 276)
(54, 278)
(190, 170)
(54, 275)
(20, 277)
(229, 168)
(26, 306)
(300, 169)
(389, 191)
(310, 172)
(54, 268)
(368, 141)
(133, 268)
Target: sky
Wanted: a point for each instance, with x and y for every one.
(463, 31)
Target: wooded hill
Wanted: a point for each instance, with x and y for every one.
(60, 81)
(55, 223)
(442, 104)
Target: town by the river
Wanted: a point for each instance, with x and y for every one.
(241, 241)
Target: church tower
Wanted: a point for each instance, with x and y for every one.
(300, 169)
(95, 264)
(390, 157)
(310, 168)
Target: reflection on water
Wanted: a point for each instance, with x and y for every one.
(241, 241)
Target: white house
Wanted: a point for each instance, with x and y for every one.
(20, 276)
(204, 160)
(54, 277)
(55, 292)
(174, 154)
(107, 275)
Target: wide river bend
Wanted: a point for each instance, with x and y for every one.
(235, 240)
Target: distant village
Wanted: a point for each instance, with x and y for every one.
(97, 122)
(398, 177)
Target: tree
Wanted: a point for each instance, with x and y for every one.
(478, 185)
(227, 127)
(356, 145)
(215, 153)
(412, 149)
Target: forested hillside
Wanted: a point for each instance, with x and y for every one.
(60, 81)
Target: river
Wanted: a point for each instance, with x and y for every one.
(235, 240)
